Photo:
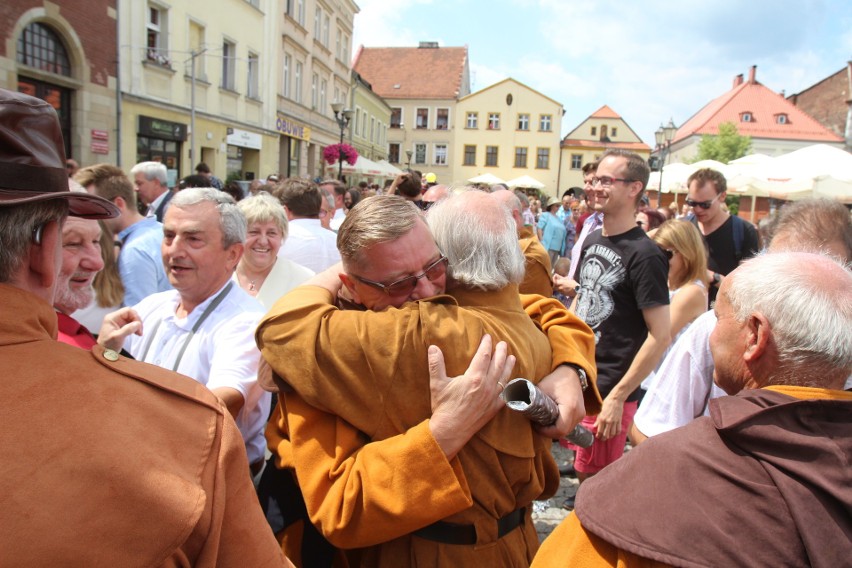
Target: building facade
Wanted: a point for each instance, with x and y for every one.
(603, 130)
(368, 129)
(508, 130)
(421, 86)
(830, 102)
(64, 52)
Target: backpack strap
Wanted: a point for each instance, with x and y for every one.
(739, 230)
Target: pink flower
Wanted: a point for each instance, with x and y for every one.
(332, 153)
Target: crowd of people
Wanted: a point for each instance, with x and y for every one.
(313, 375)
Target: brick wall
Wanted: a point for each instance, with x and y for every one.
(827, 101)
(90, 20)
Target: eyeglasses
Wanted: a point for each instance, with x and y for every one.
(606, 181)
(668, 252)
(405, 286)
(702, 204)
(424, 205)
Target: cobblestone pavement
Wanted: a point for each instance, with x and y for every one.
(548, 514)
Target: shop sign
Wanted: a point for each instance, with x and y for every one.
(293, 129)
(163, 129)
(244, 139)
(100, 141)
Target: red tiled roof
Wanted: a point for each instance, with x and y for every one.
(605, 112)
(764, 105)
(634, 146)
(420, 73)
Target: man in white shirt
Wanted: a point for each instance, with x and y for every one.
(204, 328)
(151, 180)
(338, 190)
(308, 243)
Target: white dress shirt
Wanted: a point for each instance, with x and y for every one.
(310, 245)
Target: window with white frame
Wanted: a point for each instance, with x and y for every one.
(396, 117)
(317, 23)
(494, 121)
(338, 37)
(542, 161)
(393, 153)
(253, 79)
(297, 83)
(520, 157)
(440, 154)
(442, 119)
(357, 130)
(323, 102)
(422, 118)
(300, 12)
(420, 153)
(346, 49)
(472, 120)
(229, 65)
(613, 132)
(336, 93)
(157, 31)
(544, 122)
(594, 131)
(523, 122)
(372, 129)
(314, 91)
(196, 44)
(326, 24)
(288, 80)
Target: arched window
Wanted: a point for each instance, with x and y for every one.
(41, 48)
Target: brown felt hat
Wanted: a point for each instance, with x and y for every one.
(32, 158)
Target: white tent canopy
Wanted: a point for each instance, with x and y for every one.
(363, 167)
(525, 182)
(486, 178)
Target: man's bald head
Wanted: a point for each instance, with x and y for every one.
(436, 193)
(512, 203)
(814, 225)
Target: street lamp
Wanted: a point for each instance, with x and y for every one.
(342, 116)
(663, 136)
(409, 153)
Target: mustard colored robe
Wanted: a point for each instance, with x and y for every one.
(537, 274)
(362, 376)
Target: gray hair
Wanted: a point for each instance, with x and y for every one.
(232, 222)
(152, 171)
(807, 299)
(522, 197)
(18, 224)
(262, 208)
(479, 237)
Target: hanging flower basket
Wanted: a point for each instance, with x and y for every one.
(332, 154)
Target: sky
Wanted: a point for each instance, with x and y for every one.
(649, 61)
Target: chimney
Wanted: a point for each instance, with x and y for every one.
(738, 80)
(751, 73)
(428, 45)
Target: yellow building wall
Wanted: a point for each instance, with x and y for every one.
(409, 137)
(510, 99)
(572, 173)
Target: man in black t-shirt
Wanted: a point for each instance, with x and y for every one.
(624, 298)
(729, 239)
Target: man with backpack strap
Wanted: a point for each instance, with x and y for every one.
(729, 239)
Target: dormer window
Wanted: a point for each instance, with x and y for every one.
(781, 118)
(745, 117)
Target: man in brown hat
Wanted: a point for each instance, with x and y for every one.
(110, 462)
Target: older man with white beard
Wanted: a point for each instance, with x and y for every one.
(81, 261)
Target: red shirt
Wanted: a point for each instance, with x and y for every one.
(74, 333)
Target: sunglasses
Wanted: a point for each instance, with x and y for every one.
(668, 252)
(702, 204)
(405, 286)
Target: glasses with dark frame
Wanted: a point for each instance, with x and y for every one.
(606, 181)
(702, 204)
(405, 286)
(668, 252)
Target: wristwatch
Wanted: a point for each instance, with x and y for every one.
(581, 372)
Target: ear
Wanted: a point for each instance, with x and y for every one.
(350, 285)
(46, 258)
(235, 253)
(758, 333)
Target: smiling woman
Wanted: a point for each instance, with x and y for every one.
(260, 272)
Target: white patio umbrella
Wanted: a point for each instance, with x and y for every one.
(808, 162)
(525, 182)
(487, 178)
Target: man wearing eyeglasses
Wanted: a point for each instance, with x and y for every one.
(426, 491)
(624, 298)
(729, 238)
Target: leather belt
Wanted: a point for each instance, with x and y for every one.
(453, 533)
